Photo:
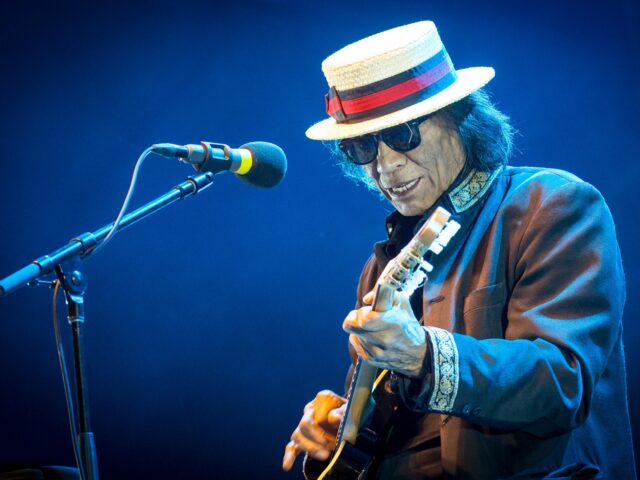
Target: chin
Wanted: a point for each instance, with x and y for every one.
(409, 210)
(409, 207)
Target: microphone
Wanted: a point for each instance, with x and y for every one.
(260, 164)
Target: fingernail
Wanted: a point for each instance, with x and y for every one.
(352, 316)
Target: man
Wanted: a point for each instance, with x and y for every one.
(509, 362)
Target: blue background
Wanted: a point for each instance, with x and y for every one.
(212, 323)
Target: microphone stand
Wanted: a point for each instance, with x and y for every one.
(65, 262)
(74, 284)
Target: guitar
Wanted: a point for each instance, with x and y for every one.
(370, 410)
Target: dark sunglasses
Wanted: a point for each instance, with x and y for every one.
(401, 138)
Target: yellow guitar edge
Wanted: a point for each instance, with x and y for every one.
(336, 455)
(379, 379)
(333, 460)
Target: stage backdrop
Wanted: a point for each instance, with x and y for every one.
(212, 323)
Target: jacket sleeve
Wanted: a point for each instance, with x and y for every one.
(560, 323)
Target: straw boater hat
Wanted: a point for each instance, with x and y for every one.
(390, 78)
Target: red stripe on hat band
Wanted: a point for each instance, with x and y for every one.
(333, 105)
(391, 94)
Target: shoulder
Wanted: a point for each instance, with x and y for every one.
(538, 177)
(554, 204)
(537, 185)
(554, 207)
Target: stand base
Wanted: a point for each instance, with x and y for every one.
(30, 472)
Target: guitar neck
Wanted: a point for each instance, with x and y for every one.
(364, 423)
(364, 376)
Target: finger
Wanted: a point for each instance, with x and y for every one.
(357, 346)
(291, 451)
(313, 432)
(360, 347)
(351, 320)
(368, 298)
(364, 320)
(402, 300)
(325, 401)
(328, 397)
(319, 452)
(336, 415)
(369, 350)
(309, 406)
(330, 440)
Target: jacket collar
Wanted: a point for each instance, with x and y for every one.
(471, 189)
(462, 199)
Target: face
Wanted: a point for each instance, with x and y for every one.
(412, 181)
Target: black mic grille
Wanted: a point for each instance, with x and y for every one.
(269, 165)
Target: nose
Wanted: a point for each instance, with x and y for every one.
(388, 159)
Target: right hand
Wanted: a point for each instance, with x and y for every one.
(317, 431)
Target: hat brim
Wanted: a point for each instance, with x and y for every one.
(469, 80)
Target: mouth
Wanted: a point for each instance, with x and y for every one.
(403, 189)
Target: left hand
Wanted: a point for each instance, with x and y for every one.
(393, 340)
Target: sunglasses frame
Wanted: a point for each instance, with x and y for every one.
(382, 135)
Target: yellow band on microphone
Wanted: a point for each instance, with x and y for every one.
(246, 162)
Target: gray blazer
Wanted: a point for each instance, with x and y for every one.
(523, 316)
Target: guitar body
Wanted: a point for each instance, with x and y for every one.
(371, 404)
(358, 460)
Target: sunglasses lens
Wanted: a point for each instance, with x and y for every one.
(363, 150)
(360, 150)
(402, 138)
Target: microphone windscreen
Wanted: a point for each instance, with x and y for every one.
(269, 165)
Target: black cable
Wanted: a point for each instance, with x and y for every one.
(125, 204)
(67, 385)
(61, 359)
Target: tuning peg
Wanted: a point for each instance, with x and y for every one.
(436, 247)
(426, 266)
(449, 231)
(445, 236)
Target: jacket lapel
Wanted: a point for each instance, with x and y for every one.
(443, 291)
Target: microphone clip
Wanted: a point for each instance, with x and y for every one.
(211, 157)
(208, 156)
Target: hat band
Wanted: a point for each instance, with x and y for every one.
(393, 93)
